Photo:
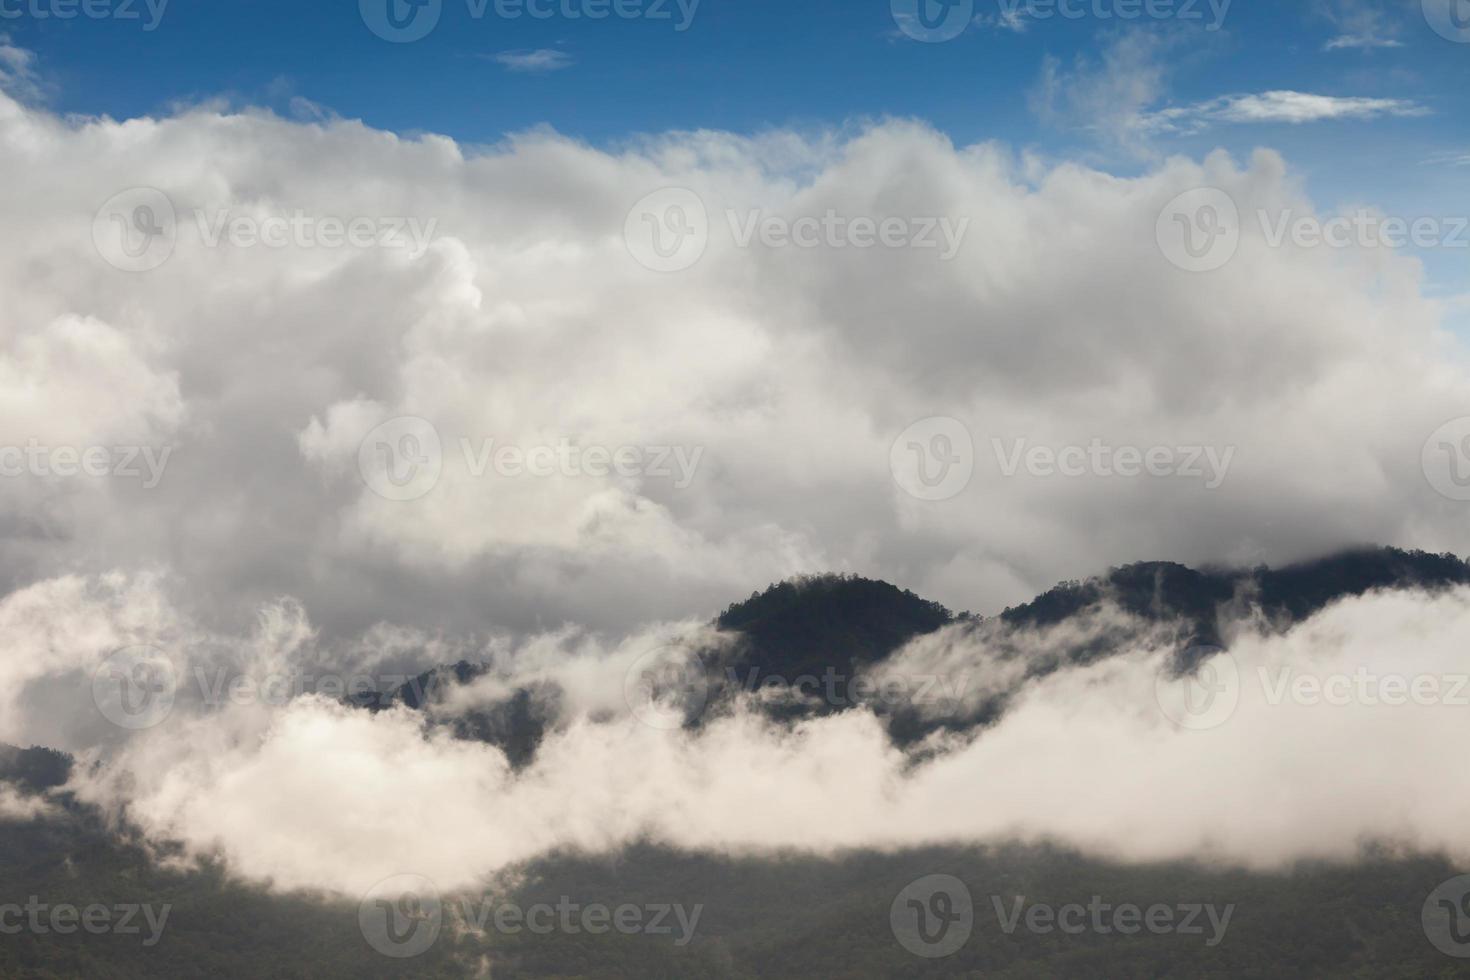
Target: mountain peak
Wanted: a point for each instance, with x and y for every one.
(842, 621)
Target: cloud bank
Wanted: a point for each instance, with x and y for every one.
(265, 360)
(1338, 721)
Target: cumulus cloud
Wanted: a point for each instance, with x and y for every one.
(525, 323)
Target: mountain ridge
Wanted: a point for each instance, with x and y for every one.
(842, 625)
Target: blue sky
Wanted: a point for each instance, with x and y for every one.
(751, 65)
(740, 65)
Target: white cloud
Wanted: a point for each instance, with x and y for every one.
(1361, 41)
(17, 807)
(1005, 20)
(528, 322)
(540, 60)
(1287, 107)
(1120, 98)
(1457, 158)
(18, 75)
(1362, 25)
(58, 633)
(1109, 98)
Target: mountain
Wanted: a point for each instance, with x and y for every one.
(1165, 591)
(843, 625)
(34, 770)
(791, 631)
(790, 918)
